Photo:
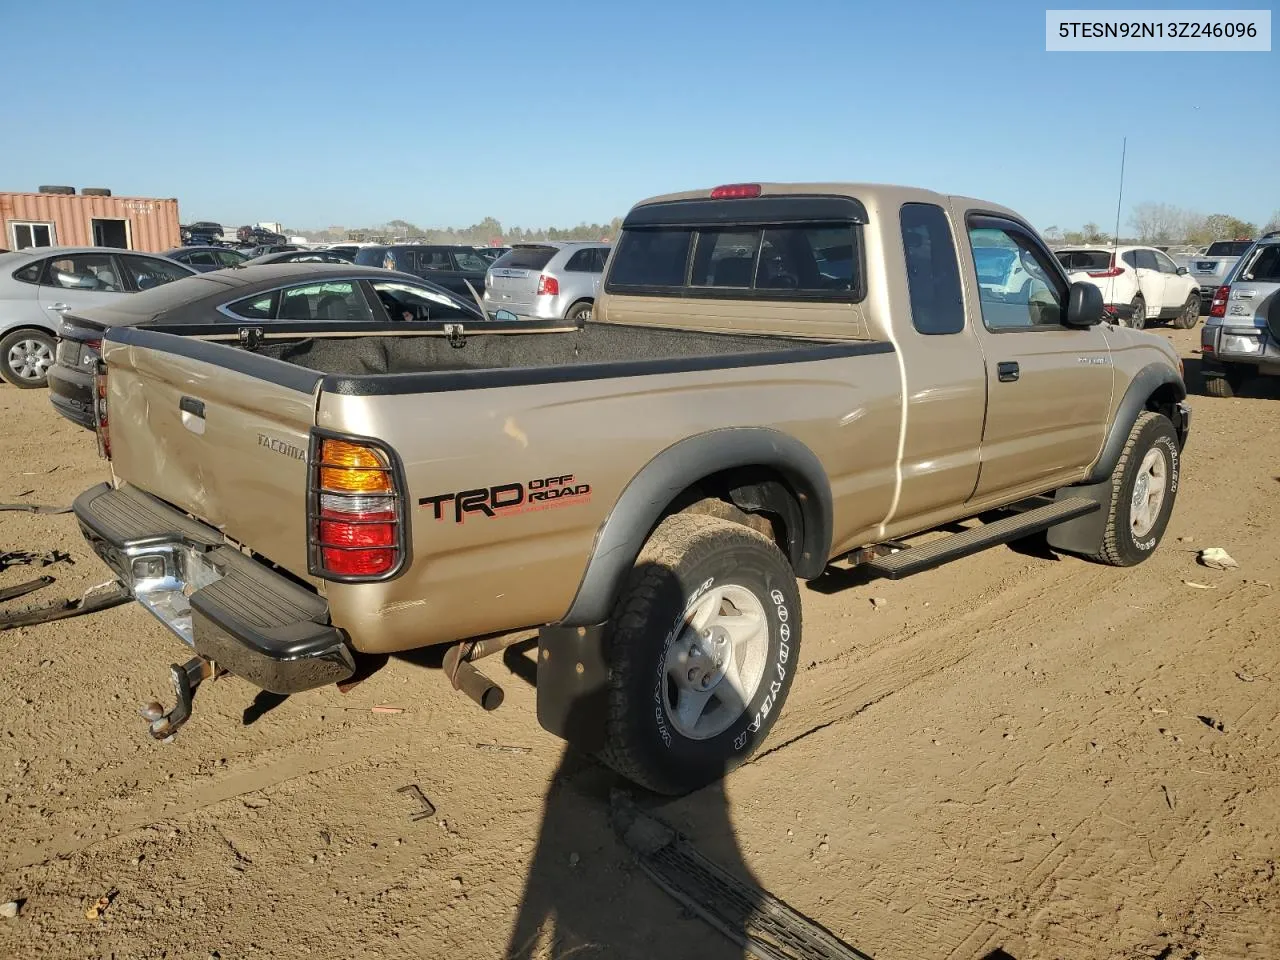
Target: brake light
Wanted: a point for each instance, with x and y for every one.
(356, 517)
(1218, 306)
(735, 191)
(100, 412)
(548, 286)
(1111, 271)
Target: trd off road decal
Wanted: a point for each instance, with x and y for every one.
(508, 498)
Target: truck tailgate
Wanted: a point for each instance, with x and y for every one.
(228, 446)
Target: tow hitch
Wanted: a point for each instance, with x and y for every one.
(185, 679)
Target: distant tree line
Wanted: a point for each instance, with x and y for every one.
(487, 231)
(1165, 224)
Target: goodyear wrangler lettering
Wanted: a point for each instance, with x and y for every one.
(504, 499)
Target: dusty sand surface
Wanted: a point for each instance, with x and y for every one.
(1010, 752)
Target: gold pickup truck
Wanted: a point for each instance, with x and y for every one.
(775, 376)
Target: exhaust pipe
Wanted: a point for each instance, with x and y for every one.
(464, 676)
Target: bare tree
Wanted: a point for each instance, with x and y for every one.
(1273, 223)
(1159, 222)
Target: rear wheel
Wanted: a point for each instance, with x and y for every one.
(580, 312)
(1190, 314)
(25, 358)
(1143, 487)
(1230, 383)
(1138, 316)
(702, 647)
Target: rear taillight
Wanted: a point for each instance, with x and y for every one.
(1218, 306)
(548, 286)
(356, 516)
(1111, 271)
(100, 412)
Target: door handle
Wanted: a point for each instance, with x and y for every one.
(1007, 371)
(192, 406)
(58, 307)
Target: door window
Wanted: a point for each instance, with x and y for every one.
(580, 262)
(253, 308)
(203, 258)
(1163, 263)
(31, 235)
(336, 301)
(933, 274)
(470, 262)
(1146, 259)
(228, 258)
(1021, 290)
(407, 302)
(598, 256)
(434, 260)
(148, 272)
(84, 271)
(1131, 258)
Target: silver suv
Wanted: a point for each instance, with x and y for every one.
(547, 280)
(1241, 338)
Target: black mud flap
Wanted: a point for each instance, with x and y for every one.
(757, 921)
(573, 680)
(1083, 535)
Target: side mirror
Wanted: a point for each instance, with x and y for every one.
(505, 315)
(1182, 271)
(1084, 305)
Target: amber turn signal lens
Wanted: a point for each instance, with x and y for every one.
(350, 467)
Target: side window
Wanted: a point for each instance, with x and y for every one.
(933, 274)
(339, 300)
(406, 302)
(470, 262)
(1018, 286)
(84, 271)
(434, 260)
(203, 258)
(1130, 257)
(1164, 264)
(598, 256)
(228, 259)
(253, 308)
(580, 262)
(148, 272)
(32, 273)
(1146, 260)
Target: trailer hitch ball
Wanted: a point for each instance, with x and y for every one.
(163, 725)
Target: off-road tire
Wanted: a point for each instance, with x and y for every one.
(685, 556)
(8, 341)
(579, 312)
(1134, 321)
(1190, 314)
(1226, 386)
(1119, 546)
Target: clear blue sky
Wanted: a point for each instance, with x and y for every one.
(315, 113)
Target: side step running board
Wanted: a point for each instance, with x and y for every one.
(1022, 523)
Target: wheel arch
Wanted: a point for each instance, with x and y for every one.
(1157, 387)
(754, 469)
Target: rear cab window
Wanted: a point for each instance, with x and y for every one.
(933, 273)
(1228, 248)
(767, 248)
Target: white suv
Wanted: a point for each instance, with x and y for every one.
(1137, 283)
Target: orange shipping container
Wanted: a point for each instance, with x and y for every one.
(74, 220)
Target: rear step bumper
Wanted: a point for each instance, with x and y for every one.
(228, 607)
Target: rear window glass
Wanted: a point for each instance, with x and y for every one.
(1085, 259)
(766, 262)
(933, 274)
(1228, 248)
(1265, 265)
(525, 258)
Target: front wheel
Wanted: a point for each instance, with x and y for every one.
(1190, 314)
(702, 648)
(25, 358)
(1143, 487)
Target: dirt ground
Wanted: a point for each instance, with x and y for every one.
(1012, 752)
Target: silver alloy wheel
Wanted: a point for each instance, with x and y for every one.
(715, 664)
(30, 359)
(1138, 319)
(1148, 493)
(1192, 313)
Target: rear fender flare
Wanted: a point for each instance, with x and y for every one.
(651, 492)
(1147, 381)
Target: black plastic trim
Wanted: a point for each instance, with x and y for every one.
(286, 375)
(392, 384)
(789, 208)
(1146, 382)
(573, 684)
(404, 539)
(648, 495)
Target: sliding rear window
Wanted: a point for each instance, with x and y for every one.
(766, 261)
